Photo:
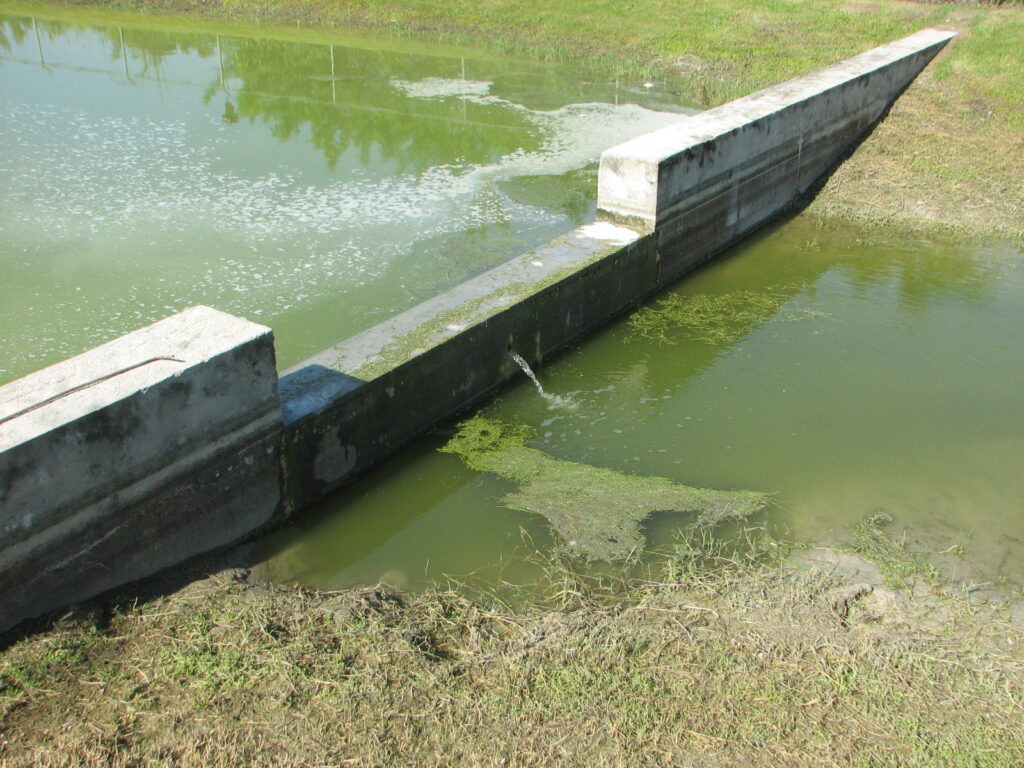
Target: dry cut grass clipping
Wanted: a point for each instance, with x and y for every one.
(715, 663)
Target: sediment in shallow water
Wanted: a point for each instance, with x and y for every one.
(597, 511)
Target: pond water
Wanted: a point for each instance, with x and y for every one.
(884, 372)
(314, 185)
(321, 185)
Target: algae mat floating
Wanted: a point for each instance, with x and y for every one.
(597, 511)
(715, 319)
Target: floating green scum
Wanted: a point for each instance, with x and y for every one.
(597, 511)
(715, 319)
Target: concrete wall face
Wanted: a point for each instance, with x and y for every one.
(165, 445)
(703, 184)
(177, 439)
(332, 438)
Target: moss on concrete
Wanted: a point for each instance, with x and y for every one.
(473, 311)
(417, 340)
(597, 511)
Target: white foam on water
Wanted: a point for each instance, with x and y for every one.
(131, 188)
(123, 171)
(441, 87)
(576, 134)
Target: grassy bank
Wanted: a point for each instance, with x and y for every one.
(720, 662)
(950, 156)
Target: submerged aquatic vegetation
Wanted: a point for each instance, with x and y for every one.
(713, 318)
(597, 511)
(899, 567)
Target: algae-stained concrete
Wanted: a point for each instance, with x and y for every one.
(134, 456)
(668, 200)
(358, 402)
(703, 184)
(597, 511)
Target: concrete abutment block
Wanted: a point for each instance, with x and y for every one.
(134, 456)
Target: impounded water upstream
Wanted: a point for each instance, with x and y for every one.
(319, 187)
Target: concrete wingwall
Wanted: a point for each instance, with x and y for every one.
(134, 456)
(706, 182)
(178, 438)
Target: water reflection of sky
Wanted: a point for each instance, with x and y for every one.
(312, 187)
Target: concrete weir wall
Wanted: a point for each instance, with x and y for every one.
(667, 201)
(178, 438)
(134, 456)
(706, 182)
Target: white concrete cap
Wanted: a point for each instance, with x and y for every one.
(81, 385)
(628, 178)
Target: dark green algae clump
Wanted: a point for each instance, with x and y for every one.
(597, 511)
(715, 319)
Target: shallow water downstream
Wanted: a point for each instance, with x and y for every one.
(885, 373)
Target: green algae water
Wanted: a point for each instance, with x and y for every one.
(314, 184)
(806, 380)
(843, 372)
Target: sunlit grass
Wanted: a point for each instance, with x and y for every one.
(719, 657)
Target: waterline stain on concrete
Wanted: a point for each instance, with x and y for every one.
(597, 511)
